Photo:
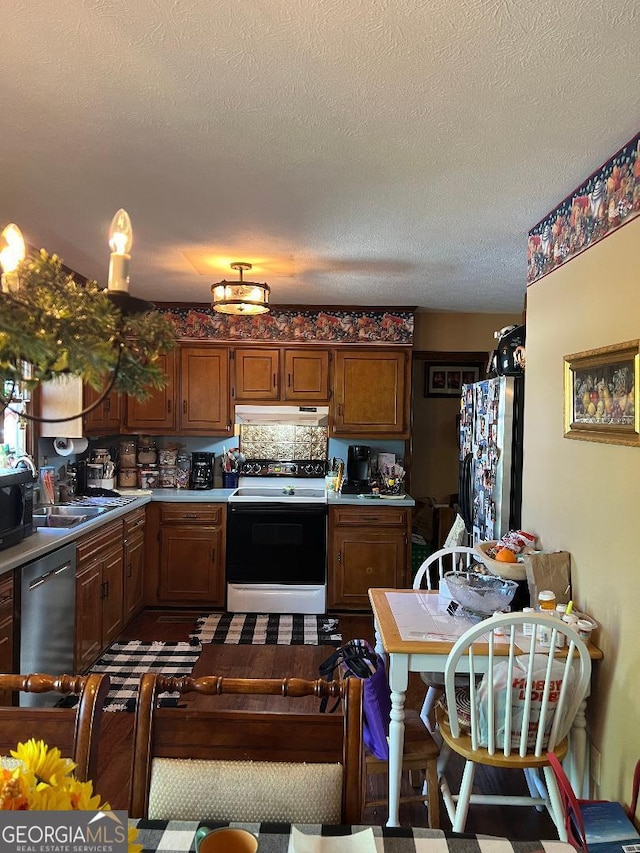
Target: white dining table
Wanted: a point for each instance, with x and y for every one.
(415, 631)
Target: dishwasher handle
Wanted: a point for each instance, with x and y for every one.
(47, 576)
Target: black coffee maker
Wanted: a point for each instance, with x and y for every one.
(202, 470)
(358, 470)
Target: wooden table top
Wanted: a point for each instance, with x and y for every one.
(415, 622)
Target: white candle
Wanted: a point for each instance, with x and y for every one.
(120, 240)
(11, 255)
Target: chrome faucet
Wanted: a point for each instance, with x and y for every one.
(27, 462)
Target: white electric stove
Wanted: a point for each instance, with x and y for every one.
(277, 539)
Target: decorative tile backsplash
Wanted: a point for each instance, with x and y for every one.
(283, 442)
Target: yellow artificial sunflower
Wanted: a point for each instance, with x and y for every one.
(83, 798)
(47, 764)
(44, 781)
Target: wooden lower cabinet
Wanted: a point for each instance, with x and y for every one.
(99, 592)
(133, 555)
(6, 631)
(367, 548)
(191, 558)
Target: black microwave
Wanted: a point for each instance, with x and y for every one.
(16, 505)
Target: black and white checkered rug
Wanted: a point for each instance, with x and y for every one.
(267, 629)
(125, 662)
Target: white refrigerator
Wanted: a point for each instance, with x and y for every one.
(490, 484)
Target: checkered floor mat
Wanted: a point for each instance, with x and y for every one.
(267, 629)
(124, 663)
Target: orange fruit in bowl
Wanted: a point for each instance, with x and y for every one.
(506, 555)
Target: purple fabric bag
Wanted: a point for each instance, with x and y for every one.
(356, 659)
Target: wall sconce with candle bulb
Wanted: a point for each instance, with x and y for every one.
(52, 326)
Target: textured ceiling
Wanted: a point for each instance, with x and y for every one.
(378, 152)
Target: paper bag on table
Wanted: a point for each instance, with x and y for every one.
(548, 570)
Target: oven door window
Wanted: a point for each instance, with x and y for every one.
(269, 544)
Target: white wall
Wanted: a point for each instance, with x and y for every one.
(584, 497)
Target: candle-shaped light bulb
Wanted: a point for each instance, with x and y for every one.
(11, 254)
(120, 240)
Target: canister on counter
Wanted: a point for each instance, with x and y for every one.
(148, 476)
(167, 456)
(147, 454)
(167, 477)
(183, 470)
(128, 478)
(127, 454)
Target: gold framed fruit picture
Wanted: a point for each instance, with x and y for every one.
(601, 394)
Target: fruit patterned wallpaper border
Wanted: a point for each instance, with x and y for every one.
(609, 198)
(283, 325)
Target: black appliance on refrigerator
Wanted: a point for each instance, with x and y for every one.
(202, 470)
(358, 470)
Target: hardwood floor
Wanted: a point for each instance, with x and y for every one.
(301, 661)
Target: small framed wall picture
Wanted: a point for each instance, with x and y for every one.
(446, 380)
(601, 394)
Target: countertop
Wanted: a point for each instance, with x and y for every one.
(45, 540)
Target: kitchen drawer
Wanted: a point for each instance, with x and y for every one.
(94, 543)
(191, 513)
(134, 521)
(385, 517)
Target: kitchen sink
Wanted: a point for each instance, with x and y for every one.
(65, 516)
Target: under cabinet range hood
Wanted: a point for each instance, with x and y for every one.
(283, 415)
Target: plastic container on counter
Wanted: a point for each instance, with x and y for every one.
(547, 600)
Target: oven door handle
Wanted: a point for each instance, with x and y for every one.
(277, 508)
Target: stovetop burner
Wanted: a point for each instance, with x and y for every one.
(280, 468)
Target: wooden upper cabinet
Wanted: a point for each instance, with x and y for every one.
(306, 375)
(204, 390)
(257, 374)
(106, 418)
(158, 411)
(272, 374)
(370, 393)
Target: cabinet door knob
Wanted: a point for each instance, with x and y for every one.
(184, 407)
(368, 570)
(339, 556)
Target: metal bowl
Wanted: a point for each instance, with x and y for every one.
(481, 594)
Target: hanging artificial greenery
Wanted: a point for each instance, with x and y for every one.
(58, 326)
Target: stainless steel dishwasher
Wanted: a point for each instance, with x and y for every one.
(47, 618)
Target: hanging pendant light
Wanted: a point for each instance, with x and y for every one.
(240, 297)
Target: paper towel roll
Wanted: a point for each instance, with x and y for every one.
(67, 446)
(63, 446)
